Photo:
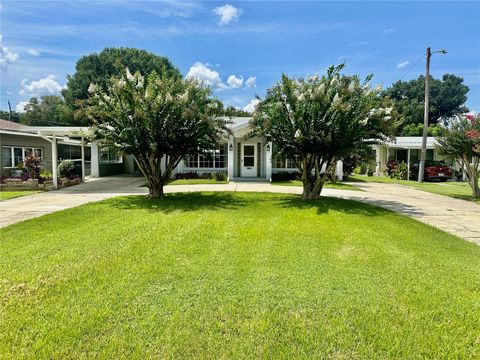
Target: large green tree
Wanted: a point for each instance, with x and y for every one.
(461, 142)
(159, 121)
(111, 62)
(447, 98)
(321, 120)
(49, 110)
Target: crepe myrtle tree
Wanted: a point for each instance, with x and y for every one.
(158, 121)
(320, 120)
(461, 142)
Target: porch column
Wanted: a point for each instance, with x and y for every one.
(231, 160)
(83, 160)
(54, 162)
(94, 171)
(268, 161)
(378, 160)
(408, 164)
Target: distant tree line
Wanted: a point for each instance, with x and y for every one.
(447, 95)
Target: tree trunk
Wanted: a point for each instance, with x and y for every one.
(471, 170)
(313, 183)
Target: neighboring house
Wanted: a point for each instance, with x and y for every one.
(238, 155)
(407, 149)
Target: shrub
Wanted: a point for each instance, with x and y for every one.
(187, 175)
(219, 176)
(286, 176)
(66, 169)
(392, 166)
(32, 165)
(401, 172)
(350, 165)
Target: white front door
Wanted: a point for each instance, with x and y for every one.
(249, 160)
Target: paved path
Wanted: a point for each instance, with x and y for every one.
(459, 217)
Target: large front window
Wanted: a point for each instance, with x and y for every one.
(216, 158)
(12, 155)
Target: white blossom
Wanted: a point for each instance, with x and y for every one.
(130, 77)
(92, 88)
(336, 98)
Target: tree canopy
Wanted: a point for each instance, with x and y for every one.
(111, 62)
(321, 120)
(460, 141)
(158, 120)
(49, 110)
(447, 98)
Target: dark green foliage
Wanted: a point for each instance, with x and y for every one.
(49, 110)
(447, 98)
(66, 169)
(6, 115)
(219, 176)
(111, 62)
(231, 111)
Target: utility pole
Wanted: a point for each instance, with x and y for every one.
(423, 155)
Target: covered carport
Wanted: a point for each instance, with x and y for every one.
(67, 135)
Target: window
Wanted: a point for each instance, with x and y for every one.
(110, 156)
(214, 159)
(12, 156)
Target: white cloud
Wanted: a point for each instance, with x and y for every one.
(33, 52)
(205, 75)
(388, 31)
(250, 107)
(20, 108)
(6, 55)
(234, 82)
(402, 64)
(251, 82)
(227, 13)
(47, 85)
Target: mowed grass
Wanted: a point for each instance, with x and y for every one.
(328, 185)
(236, 276)
(5, 195)
(459, 190)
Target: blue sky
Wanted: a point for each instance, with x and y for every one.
(240, 48)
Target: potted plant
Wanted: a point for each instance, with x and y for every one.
(18, 172)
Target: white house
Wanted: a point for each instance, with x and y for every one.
(407, 149)
(238, 155)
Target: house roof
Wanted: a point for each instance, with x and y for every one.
(237, 123)
(12, 126)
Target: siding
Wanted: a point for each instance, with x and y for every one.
(26, 141)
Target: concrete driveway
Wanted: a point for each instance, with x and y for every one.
(458, 217)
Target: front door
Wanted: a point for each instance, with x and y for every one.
(249, 160)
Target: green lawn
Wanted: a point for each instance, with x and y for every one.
(329, 185)
(236, 275)
(196, 182)
(458, 190)
(5, 195)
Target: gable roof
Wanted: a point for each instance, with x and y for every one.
(13, 126)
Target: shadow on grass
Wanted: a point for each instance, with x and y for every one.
(326, 204)
(185, 202)
(214, 201)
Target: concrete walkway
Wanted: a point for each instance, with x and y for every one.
(458, 217)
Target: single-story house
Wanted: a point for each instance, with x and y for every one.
(407, 149)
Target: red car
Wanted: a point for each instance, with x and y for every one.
(434, 170)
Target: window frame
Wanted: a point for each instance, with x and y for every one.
(12, 154)
(213, 156)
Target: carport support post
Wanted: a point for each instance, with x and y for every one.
(408, 164)
(268, 162)
(230, 159)
(54, 162)
(83, 160)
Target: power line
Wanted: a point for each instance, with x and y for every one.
(416, 62)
